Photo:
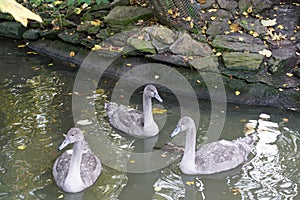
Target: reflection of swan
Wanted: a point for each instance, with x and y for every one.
(212, 157)
(76, 169)
(132, 121)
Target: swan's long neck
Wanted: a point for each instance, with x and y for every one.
(74, 168)
(188, 158)
(147, 110)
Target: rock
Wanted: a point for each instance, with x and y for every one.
(50, 34)
(187, 46)
(238, 42)
(102, 34)
(68, 24)
(6, 16)
(283, 53)
(69, 37)
(160, 47)
(142, 45)
(218, 27)
(242, 61)
(223, 14)
(162, 34)
(177, 60)
(101, 6)
(227, 4)
(87, 16)
(125, 15)
(208, 63)
(257, 5)
(13, 30)
(252, 24)
(208, 4)
(119, 3)
(31, 34)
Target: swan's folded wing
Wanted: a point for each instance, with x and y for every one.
(219, 156)
(131, 117)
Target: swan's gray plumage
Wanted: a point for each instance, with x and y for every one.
(212, 157)
(132, 121)
(78, 168)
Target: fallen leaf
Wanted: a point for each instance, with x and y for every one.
(21, 45)
(190, 182)
(19, 12)
(57, 2)
(170, 12)
(280, 26)
(72, 54)
(235, 27)
(188, 19)
(22, 147)
(96, 23)
(128, 64)
(285, 119)
(77, 11)
(218, 53)
(84, 122)
(158, 111)
(96, 47)
(289, 74)
(131, 161)
(269, 22)
(212, 18)
(241, 39)
(191, 24)
(249, 10)
(266, 53)
(237, 93)
(157, 189)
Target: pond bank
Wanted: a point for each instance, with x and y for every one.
(258, 62)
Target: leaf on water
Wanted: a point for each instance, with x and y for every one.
(22, 147)
(268, 22)
(159, 110)
(84, 122)
(60, 196)
(131, 161)
(157, 189)
(19, 12)
(190, 182)
(266, 53)
(21, 45)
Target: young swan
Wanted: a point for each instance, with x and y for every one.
(212, 157)
(78, 168)
(132, 121)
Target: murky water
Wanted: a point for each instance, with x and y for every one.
(36, 109)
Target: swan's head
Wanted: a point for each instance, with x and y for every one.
(73, 135)
(151, 91)
(183, 124)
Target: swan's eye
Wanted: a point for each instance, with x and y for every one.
(72, 134)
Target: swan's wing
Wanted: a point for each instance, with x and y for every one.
(61, 167)
(219, 156)
(90, 168)
(131, 117)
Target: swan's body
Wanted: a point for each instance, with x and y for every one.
(132, 121)
(212, 157)
(78, 168)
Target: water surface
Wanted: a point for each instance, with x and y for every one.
(36, 109)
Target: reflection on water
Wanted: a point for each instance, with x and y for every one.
(35, 110)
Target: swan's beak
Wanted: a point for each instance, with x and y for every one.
(156, 96)
(64, 144)
(175, 132)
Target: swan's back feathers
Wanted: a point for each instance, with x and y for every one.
(223, 155)
(123, 118)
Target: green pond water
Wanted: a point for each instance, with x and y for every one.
(36, 95)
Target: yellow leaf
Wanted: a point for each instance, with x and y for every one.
(289, 74)
(131, 161)
(245, 14)
(72, 54)
(21, 45)
(22, 147)
(234, 27)
(198, 81)
(237, 93)
(249, 10)
(158, 111)
(280, 26)
(218, 54)
(191, 24)
(128, 65)
(255, 34)
(157, 189)
(212, 18)
(170, 12)
(96, 23)
(77, 11)
(188, 19)
(96, 47)
(57, 2)
(241, 39)
(19, 12)
(190, 182)
(31, 53)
